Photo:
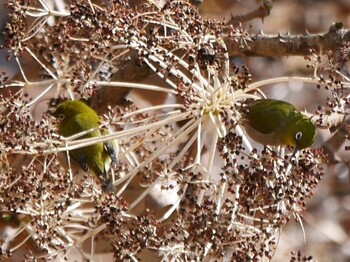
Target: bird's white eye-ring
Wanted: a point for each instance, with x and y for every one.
(298, 136)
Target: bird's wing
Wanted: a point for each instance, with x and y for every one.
(110, 149)
(80, 157)
(267, 118)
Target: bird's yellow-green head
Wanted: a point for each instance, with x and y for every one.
(68, 111)
(278, 123)
(301, 133)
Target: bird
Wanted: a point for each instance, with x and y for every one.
(74, 117)
(277, 123)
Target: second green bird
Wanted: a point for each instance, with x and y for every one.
(75, 117)
(278, 123)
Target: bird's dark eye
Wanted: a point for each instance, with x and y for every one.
(298, 136)
(61, 117)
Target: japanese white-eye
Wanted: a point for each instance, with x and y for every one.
(75, 117)
(278, 123)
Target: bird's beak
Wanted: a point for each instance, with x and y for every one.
(296, 152)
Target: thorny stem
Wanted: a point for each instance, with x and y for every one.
(315, 80)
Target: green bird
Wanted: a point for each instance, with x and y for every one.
(75, 117)
(278, 123)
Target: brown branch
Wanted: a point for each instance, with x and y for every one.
(289, 45)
